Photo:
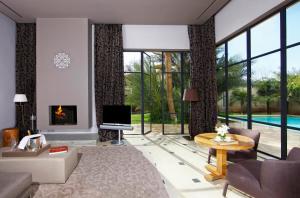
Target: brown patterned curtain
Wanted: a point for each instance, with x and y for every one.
(109, 76)
(203, 77)
(26, 72)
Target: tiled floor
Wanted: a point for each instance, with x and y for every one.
(270, 136)
(181, 164)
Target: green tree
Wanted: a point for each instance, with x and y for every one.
(293, 88)
(236, 73)
(267, 91)
(239, 95)
(133, 87)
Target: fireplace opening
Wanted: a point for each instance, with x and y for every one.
(63, 115)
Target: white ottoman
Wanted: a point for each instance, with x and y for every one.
(44, 168)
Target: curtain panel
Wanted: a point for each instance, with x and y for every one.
(109, 76)
(26, 72)
(203, 77)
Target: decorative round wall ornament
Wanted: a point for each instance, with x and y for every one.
(62, 60)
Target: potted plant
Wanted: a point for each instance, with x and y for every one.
(221, 132)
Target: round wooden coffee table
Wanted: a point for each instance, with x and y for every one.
(207, 140)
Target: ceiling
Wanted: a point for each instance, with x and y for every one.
(146, 12)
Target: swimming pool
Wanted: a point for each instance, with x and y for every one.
(292, 121)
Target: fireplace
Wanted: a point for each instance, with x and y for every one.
(63, 115)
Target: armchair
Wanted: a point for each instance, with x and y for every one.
(237, 156)
(270, 178)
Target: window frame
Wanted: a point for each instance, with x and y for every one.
(283, 75)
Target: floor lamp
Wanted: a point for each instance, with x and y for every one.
(190, 95)
(20, 99)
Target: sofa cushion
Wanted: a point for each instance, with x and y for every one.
(14, 184)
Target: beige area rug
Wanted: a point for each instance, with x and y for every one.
(108, 172)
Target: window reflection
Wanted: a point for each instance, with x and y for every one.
(292, 24)
(237, 48)
(265, 36)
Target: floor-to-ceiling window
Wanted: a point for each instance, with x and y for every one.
(293, 75)
(258, 85)
(154, 84)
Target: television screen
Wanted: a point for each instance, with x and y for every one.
(117, 114)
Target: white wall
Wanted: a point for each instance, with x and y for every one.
(7, 72)
(151, 37)
(239, 13)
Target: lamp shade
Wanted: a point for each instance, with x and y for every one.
(20, 98)
(190, 95)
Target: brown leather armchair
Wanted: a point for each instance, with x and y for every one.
(237, 156)
(267, 179)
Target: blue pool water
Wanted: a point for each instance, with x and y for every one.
(292, 121)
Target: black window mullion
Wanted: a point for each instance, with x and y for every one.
(162, 93)
(265, 54)
(142, 93)
(181, 92)
(226, 84)
(249, 82)
(293, 45)
(283, 84)
(237, 63)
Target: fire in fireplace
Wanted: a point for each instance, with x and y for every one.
(63, 115)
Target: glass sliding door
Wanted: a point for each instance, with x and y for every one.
(153, 99)
(139, 94)
(154, 85)
(133, 86)
(172, 93)
(147, 92)
(185, 70)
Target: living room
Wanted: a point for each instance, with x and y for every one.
(149, 98)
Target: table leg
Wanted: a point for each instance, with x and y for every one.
(219, 171)
(119, 141)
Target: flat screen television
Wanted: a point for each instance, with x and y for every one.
(117, 114)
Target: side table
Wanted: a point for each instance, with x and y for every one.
(9, 134)
(219, 171)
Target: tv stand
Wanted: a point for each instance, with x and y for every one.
(118, 127)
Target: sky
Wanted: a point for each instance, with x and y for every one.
(130, 58)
